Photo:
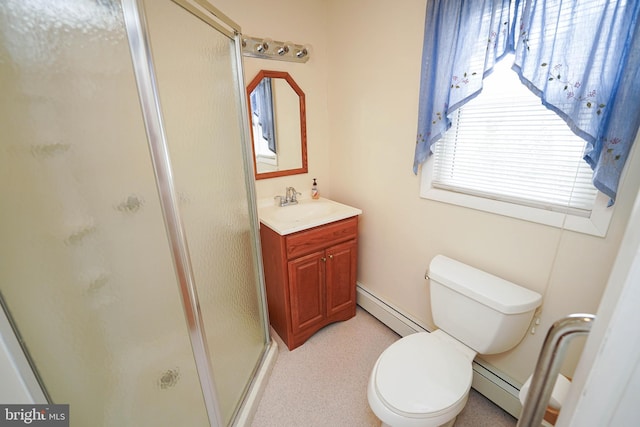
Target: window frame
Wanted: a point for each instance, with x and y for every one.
(596, 224)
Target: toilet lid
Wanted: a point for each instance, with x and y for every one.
(422, 376)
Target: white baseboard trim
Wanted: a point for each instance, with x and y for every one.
(245, 414)
(401, 323)
(497, 387)
(487, 380)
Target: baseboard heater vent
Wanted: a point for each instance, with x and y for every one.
(487, 380)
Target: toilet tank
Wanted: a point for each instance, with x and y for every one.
(483, 311)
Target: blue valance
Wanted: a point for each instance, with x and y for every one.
(581, 57)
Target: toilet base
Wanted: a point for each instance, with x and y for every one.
(449, 424)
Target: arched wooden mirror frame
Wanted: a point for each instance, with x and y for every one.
(303, 123)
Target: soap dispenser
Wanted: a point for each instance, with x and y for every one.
(314, 190)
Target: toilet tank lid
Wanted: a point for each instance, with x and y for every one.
(492, 291)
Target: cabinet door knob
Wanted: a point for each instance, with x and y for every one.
(323, 259)
(330, 256)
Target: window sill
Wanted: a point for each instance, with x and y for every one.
(596, 224)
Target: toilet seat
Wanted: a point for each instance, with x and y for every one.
(423, 376)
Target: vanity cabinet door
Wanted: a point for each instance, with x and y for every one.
(340, 278)
(310, 278)
(306, 291)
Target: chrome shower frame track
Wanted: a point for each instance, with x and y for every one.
(548, 366)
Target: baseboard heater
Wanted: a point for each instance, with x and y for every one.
(487, 380)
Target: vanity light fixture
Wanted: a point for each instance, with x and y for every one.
(272, 49)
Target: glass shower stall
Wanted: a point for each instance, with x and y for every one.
(129, 262)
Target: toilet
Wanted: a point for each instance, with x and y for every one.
(423, 379)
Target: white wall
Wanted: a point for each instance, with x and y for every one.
(362, 86)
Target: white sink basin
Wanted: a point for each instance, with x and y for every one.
(306, 214)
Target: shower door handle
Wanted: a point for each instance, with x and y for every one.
(548, 366)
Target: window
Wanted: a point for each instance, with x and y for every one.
(496, 157)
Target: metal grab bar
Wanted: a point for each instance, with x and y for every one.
(548, 366)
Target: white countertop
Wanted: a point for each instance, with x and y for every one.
(306, 214)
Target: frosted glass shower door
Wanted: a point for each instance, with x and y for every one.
(85, 266)
(86, 269)
(197, 84)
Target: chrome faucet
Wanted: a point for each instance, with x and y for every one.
(290, 197)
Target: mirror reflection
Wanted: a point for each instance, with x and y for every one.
(278, 125)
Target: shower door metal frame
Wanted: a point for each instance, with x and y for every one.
(140, 47)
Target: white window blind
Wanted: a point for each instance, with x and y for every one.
(505, 145)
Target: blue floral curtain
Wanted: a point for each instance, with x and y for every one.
(582, 57)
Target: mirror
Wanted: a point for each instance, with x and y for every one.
(278, 125)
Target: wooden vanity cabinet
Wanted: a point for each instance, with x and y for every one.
(310, 278)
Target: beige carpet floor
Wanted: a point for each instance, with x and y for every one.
(323, 383)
